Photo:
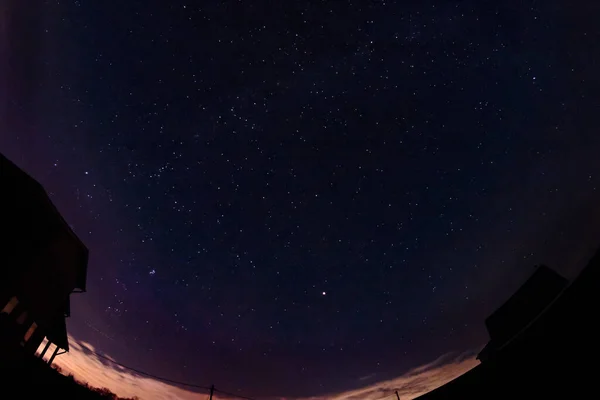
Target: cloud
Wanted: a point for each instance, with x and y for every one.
(86, 366)
(366, 377)
(415, 382)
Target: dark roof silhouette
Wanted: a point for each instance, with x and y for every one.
(552, 357)
(525, 304)
(31, 202)
(42, 259)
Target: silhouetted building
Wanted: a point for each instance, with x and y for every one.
(522, 308)
(41, 261)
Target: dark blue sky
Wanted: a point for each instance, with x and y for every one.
(283, 198)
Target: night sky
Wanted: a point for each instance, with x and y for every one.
(298, 198)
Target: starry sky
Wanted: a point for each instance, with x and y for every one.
(302, 198)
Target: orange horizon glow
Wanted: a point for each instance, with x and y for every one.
(89, 369)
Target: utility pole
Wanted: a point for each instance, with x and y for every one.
(397, 395)
(212, 389)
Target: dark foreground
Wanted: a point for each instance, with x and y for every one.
(23, 376)
(555, 358)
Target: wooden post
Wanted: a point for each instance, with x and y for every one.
(212, 389)
(45, 349)
(397, 395)
(53, 355)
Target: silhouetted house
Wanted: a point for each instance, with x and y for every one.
(521, 309)
(41, 262)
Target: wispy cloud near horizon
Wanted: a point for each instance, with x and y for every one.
(86, 366)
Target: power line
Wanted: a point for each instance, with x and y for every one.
(234, 395)
(385, 397)
(160, 378)
(188, 384)
(173, 381)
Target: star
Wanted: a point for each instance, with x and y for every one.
(265, 157)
